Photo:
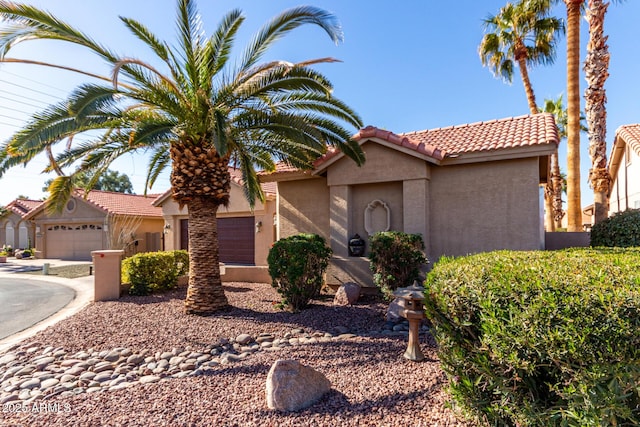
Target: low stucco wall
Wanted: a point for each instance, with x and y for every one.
(563, 240)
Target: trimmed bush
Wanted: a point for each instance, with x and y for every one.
(395, 259)
(620, 230)
(541, 338)
(154, 271)
(296, 266)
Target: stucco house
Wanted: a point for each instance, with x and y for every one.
(97, 220)
(244, 235)
(15, 230)
(624, 167)
(469, 188)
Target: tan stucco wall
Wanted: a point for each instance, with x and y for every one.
(625, 191)
(382, 164)
(238, 207)
(303, 207)
(147, 225)
(483, 207)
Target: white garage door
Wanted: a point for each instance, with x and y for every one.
(73, 241)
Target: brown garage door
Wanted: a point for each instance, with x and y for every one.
(236, 239)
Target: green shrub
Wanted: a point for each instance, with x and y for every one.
(154, 271)
(621, 230)
(541, 338)
(395, 259)
(296, 266)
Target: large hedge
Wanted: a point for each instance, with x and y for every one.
(541, 338)
(620, 230)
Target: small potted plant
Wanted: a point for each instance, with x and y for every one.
(7, 250)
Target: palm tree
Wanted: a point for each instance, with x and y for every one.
(574, 199)
(200, 114)
(559, 179)
(597, 70)
(525, 34)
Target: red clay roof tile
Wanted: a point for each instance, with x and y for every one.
(631, 135)
(122, 204)
(22, 207)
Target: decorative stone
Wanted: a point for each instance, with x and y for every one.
(393, 312)
(147, 379)
(243, 339)
(292, 386)
(135, 359)
(347, 294)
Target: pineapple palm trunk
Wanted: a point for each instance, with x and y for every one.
(200, 180)
(574, 200)
(596, 73)
(205, 294)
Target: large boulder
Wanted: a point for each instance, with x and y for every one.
(347, 294)
(292, 386)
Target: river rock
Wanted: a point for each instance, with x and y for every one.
(292, 386)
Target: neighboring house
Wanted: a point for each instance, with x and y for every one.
(244, 235)
(15, 230)
(465, 189)
(624, 167)
(98, 220)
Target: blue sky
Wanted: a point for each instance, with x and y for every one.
(406, 65)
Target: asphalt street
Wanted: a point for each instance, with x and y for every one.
(24, 302)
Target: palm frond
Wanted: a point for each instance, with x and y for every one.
(286, 22)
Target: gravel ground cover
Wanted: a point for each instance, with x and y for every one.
(372, 384)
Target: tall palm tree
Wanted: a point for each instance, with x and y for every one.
(596, 72)
(523, 33)
(199, 114)
(574, 199)
(558, 179)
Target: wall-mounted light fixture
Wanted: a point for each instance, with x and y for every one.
(167, 228)
(258, 226)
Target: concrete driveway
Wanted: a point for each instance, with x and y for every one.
(25, 302)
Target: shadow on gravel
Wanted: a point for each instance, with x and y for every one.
(336, 403)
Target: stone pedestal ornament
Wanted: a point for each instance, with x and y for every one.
(414, 313)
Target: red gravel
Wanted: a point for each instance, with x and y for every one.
(372, 384)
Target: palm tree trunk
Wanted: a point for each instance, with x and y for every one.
(556, 182)
(205, 294)
(574, 202)
(596, 72)
(528, 89)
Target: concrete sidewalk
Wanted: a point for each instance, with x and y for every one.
(82, 286)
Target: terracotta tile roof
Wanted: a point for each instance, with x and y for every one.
(511, 132)
(631, 135)
(121, 203)
(22, 207)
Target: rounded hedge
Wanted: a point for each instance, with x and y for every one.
(620, 230)
(541, 338)
(296, 266)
